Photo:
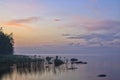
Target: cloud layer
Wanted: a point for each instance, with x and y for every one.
(100, 33)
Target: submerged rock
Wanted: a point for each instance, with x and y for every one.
(74, 59)
(102, 75)
(72, 68)
(50, 63)
(80, 62)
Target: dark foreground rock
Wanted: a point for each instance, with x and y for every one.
(58, 62)
(72, 68)
(102, 75)
(80, 62)
(74, 59)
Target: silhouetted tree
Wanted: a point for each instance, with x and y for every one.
(6, 43)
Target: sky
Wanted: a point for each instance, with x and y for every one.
(63, 25)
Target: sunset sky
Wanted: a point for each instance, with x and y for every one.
(70, 23)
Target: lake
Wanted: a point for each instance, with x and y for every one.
(108, 64)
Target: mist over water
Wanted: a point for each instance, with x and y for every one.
(65, 50)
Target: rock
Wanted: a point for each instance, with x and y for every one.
(80, 62)
(102, 75)
(74, 59)
(50, 63)
(58, 62)
(72, 68)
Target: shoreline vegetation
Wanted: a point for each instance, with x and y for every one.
(57, 61)
(9, 62)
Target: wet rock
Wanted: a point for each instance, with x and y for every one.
(58, 62)
(72, 68)
(80, 62)
(74, 59)
(50, 63)
(102, 75)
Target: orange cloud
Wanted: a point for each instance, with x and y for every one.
(21, 22)
(14, 24)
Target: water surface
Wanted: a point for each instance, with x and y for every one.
(97, 64)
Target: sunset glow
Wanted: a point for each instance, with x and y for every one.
(62, 22)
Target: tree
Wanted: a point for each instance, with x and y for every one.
(6, 43)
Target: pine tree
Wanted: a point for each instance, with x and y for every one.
(6, 43)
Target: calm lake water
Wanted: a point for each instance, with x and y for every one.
(97, 64)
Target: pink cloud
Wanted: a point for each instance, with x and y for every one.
(25, 20)
(80, 19)
(105, 24)
(57, 20)
(91, 24)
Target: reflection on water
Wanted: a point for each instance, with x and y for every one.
(108, 65)
(32, 71)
